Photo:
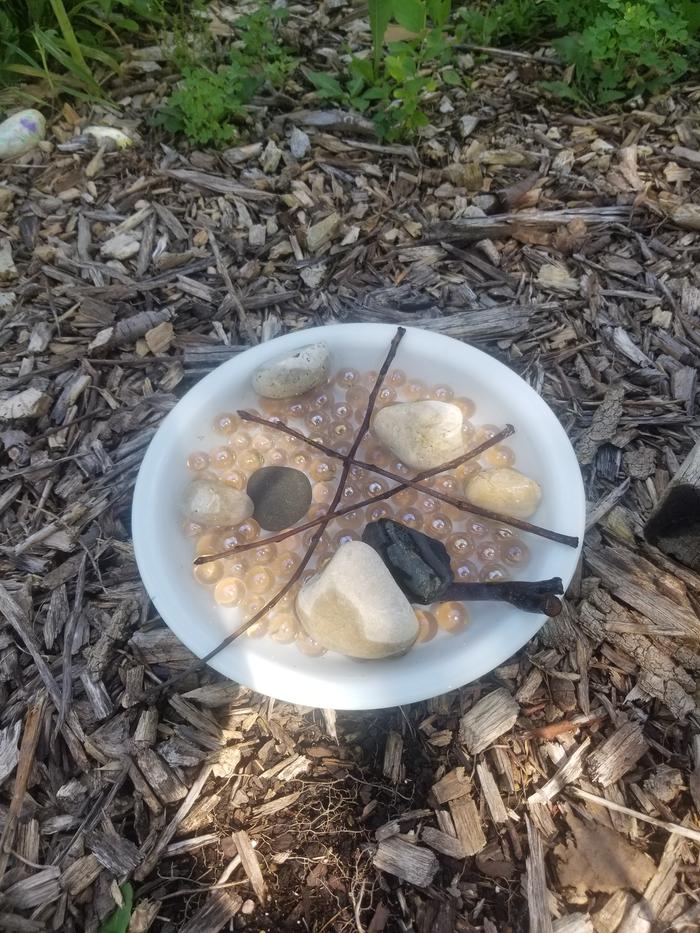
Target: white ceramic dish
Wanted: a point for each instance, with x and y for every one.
(164, 555)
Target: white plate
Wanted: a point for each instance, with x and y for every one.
(164, 555)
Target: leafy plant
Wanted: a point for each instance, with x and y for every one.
(617, 48)
(209, 104)
(392, 84)
(64, 42)
(118, 920)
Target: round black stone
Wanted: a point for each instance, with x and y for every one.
(281, 497)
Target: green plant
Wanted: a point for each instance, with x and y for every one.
(64, 42)
(209, 103)
(392, 84)
(617, 48)
(118, 921)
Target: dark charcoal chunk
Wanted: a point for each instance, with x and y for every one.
(419, 564)
(281, 497)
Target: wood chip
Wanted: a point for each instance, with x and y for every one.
(488, 719)
(251, 865)
(467, 824)
(406, 861)
(617, 755)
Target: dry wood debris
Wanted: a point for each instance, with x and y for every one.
(567, 246)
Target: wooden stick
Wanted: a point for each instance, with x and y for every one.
(618, 808)
(380, 497)
(462, 504)
(30, 739)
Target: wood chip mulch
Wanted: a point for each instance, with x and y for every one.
(561, 792)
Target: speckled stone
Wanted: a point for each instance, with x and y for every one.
(504, 490)
(292, 375)
(423, 435)
(281, 497)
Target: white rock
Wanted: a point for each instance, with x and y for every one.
(211, 503)
(21, 133)
(354, 606)
(299, 143)
(109, 134)
(295, 374)
(504, 490)
(422, 435)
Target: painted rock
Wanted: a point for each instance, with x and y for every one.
(21, 133)
(504, 490)
(419, 564)
(354, 606)
(281, 497)
(294, 374)
(423, 435)
(213, 504)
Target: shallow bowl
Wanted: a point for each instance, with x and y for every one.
(497, 630)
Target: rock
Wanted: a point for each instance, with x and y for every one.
(299, 143)
(423, 435)
(212, 504)
(420, 565)
(504, 490)
(109, 135)
(354, 607)
(295, 374)
(21, 133)
(318, 235)
(281, 496)
(121, 246)
(8, 270)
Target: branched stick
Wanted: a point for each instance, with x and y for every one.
(330, 514)
(380, 497)
(462, 504)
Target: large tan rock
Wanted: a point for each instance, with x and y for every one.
(354, 606)
(423, 435)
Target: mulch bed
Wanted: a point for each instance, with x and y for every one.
(568, 248)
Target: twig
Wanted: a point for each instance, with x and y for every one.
(380, 497)
(398, 336)
(462, 504)
(618, 808)
(539, 596)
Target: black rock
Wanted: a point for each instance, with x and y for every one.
(419, 564)
(281, 497)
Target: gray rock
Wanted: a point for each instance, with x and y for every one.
(214, 504)
(299, 143)
(281, 497)
(354, 606)
(295, 374)
(423, 435)
(505, 490)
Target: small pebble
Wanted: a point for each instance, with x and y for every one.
(504, 490)
(211, 504)
(281, 497)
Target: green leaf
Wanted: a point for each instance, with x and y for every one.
(329, 86)
(118, 922)
(379, 16)
(440, 11)
(450, 76)
(410, 14)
